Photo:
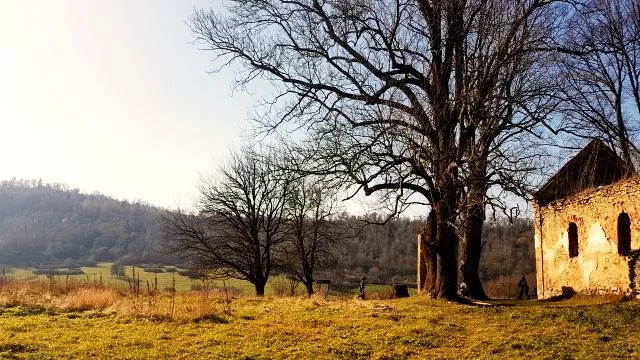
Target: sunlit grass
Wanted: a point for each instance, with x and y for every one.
(207, 326)
(165, 280)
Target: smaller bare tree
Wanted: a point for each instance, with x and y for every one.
(238, 221)
(311, 233)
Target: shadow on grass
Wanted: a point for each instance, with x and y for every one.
(567, 293)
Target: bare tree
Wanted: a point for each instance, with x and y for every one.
(311, 235)
(601, 61)
(238, 223)
(402, 98)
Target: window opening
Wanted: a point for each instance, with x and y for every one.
(573, 240)
(624, 234)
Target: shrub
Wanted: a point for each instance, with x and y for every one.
(117, 269)
(57, 272)
(284, 286)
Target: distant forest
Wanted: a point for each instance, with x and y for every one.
(54, 225)
(51, 224)
(388, 253)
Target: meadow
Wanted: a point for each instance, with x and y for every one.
(38, 320)
(101, 274)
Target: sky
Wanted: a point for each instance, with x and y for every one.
(114, 97)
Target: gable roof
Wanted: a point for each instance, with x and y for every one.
(595, 165)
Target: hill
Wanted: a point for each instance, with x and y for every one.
(45, 224)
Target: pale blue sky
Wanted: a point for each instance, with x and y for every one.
(112, 96)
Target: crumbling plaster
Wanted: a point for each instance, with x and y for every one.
(597, 267)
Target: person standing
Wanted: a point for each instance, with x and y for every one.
(524, 288)
(362, 284)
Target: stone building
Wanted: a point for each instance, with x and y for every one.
(587, 226)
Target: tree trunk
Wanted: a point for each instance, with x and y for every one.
(431, 275)
(260, 285)
(474, 220)
(427, 257)
(447, 250)
(309, 286)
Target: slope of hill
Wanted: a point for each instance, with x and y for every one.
(52, 224)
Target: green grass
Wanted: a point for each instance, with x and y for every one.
(182, 283)
(275, 328)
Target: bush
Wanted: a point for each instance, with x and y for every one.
(283, 286)
(153, 270)
(191, 274)
(117, 269)
(57, 272)
(74, 271)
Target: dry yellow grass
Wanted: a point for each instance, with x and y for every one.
(77, 296)
(41, 320)
(89, 299)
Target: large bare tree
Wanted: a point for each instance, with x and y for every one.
(601, 72)
(238, 222)
(413, 99)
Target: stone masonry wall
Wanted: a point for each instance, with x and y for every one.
(598, 268)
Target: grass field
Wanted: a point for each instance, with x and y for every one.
(165, 280)
(100, 322)
(102, 273)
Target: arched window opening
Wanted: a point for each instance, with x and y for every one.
(624, 234)
(573, 240)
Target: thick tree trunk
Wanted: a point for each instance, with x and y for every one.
(447, 249)
(427, 257)
(309, 286)
(474, 220)
(432, 271)
(447, 280)
(260, 285)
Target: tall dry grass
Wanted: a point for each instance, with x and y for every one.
(72, 295)
(506, 287)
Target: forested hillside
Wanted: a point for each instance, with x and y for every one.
(51, 224)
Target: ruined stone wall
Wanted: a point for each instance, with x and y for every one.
(598, 268)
